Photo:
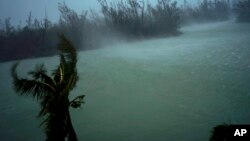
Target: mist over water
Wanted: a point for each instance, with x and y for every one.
(174, 88)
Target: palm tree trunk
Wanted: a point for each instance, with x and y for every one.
(71, 132)
(55, 129)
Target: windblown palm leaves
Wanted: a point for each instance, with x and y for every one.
(53, 92)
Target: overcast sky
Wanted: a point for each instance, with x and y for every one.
(19, 9)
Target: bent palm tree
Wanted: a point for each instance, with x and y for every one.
(53, 92)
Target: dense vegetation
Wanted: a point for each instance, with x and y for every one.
(207, 11)
(242, 10)
(136, 18)
(89, 30)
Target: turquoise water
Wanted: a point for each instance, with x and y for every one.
(173, 89)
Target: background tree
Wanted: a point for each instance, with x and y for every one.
(242, 9)
(53, 92)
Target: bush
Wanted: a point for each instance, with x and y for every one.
(207, 11)
(166, 17)
(139, 19)
(72, 24)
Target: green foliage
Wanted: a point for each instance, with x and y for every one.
(53, 92)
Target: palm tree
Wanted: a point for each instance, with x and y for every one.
(53, 92)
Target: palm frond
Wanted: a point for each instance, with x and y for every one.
(38, 70)
(71, 83)
(58, 73)
(44, 121)
(47, 105)
(77, 102)
(25, 86)
(40, 75)
(68, 60)
(13, 71)
(43, 111)
(67, 50)
(36, 88)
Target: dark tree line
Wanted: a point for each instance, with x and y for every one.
(242, 9)
(28, 41)
(207, 11)
(90, 30)
(38, 37)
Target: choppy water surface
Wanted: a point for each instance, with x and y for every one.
(172, 89)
